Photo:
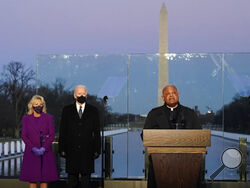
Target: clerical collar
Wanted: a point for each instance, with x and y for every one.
(172, 108)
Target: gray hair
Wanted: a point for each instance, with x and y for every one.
(82, 86)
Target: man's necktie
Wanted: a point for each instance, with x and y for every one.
(80, 112)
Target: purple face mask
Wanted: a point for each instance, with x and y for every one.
(38, 109)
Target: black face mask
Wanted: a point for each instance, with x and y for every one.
(81, 99)
(38, 109)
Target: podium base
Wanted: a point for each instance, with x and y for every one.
(177, 170)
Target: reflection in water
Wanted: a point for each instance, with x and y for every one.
(18, 163)
(10, 167)
(6, 167)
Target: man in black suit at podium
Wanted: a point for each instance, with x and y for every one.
(171, 115)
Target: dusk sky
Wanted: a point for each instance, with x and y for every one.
(32, 27)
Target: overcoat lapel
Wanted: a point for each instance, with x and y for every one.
(85, 112)
(74, 112)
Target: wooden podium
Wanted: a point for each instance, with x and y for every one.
(177, 155)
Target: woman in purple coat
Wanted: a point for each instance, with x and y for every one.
(38, 134)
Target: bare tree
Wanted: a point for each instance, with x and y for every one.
(16, 86)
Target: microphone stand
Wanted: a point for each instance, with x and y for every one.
(104, 100)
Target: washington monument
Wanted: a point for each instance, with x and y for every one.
(163, 79)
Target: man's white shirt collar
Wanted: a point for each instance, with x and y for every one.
(78, 107)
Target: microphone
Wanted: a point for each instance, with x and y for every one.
(105, 99)
(177, 120)
(172, 119)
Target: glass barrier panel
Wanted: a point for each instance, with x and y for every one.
(236, 109)
(143, 94)
(120, 156)
(57, 75)
(125, 88)
(198, 78)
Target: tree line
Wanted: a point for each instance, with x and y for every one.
(17, 86)
(236, 115)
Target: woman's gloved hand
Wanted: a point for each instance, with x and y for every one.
(36, 151)
(42, 150)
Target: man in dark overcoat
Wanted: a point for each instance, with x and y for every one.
(171, 115)
(79, 139)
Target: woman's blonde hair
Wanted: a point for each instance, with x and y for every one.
(32, 101)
